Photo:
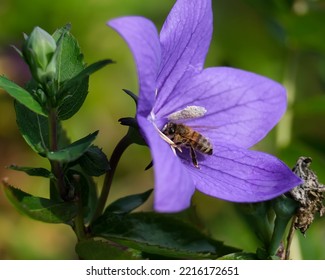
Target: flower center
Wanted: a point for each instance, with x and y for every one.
(169, 131)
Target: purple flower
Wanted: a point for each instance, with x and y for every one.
(231, 108)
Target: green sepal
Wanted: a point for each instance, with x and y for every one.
(21, 95)
(131, 122)
(41, 209)
(102, 250)
(33, 171)
(132, 95)
(73, 151)
(134, 130)
(159, 234)
(127, 204)
(94, 162)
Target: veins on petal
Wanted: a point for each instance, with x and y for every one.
(181, 51)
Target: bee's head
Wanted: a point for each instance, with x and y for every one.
(169, 129)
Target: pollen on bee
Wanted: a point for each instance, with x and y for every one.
(188, 112)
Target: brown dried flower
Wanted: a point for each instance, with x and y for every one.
(310, 195)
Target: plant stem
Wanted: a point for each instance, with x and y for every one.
(280, 225)
(289, 238)
(53, 142)
(125, 142)
(79, 226)
(53, 130)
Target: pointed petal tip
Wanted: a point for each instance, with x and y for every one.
(240, 175)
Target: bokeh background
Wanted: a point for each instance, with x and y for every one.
(281, 39)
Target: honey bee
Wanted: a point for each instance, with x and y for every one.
(182, 135)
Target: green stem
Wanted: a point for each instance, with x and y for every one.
(79, 227)
(125, 142)
(280, 226)
(53, 130)
(290, 238)
(53, 142)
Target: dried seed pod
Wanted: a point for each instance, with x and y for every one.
(310, 195)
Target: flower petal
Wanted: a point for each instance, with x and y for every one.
(241, 106)
(142, 38)
(185, 38)
(241, 175)
(173, 184)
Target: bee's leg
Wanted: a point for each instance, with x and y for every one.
(193, 157)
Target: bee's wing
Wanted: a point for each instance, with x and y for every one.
(203, 128)
(208, 131)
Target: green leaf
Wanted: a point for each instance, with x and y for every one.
(102, 250)
(126, 204)
(85, 73)
(159, 234)
(73, 75)
(41, 209)
(73, 151)
(70, 59)
(33, 127)
(35, 130)
(21, 95)
(94, 162)
(69, 64)
(73, 100)
(32, 171)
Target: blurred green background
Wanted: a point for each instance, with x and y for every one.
(281, 39)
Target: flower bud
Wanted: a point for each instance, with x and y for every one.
(39, 52)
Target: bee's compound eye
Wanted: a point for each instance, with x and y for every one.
(171, 128)
(166, 129)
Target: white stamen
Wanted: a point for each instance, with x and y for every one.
(188, 112)
(151, 118)
(162, 135)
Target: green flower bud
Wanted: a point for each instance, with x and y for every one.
(39, 52)
(285, 207)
